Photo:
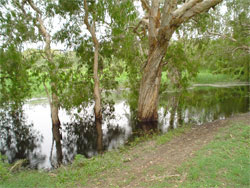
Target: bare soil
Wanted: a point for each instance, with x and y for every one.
(150, 162)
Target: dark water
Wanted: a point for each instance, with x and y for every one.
(29, 135)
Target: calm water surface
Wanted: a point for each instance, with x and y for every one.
(30, 136)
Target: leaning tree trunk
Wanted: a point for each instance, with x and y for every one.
(161, 25)
(150, 85)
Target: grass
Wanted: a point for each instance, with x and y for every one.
(205, 77)
(82, 169)
(76, 174)
(222, 163)
(4, 172)
(162, 139)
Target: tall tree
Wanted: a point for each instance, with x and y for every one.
(163, 20)
(97, 42)
(39, 17)
(28, 19)
(92, 29)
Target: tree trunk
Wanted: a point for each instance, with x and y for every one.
(169, 19)
(54, 102)
(150, 85)
(99, 136)
(54, 110)
(97, 93)
(57, 137)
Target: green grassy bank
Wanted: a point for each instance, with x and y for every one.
(206, 77)
(82, 169)
(222, 163)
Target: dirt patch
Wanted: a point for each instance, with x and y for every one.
(149, 162)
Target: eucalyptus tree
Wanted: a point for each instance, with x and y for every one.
(29, 21)
(77, 13)
(94, 29)
(38, 12)
(163, 18)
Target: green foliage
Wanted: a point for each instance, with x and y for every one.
(14, 77)
(228, 49)
(181, 65)
(227, 62)
(69, 6)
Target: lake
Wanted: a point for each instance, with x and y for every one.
(29, 135)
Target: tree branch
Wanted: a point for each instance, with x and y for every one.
(223, 36)
(152, 29)
(145, 6)
(36, 52)
(245, 48)
(43, 30)
(145, 24)
(242, 47)
(168, 8)
(91, 28)
(192, 8)
(4, 77)
(184, 8)
(34, 7)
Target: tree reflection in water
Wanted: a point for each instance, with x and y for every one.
(18, 139)
(86, 137)
(201, 105)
